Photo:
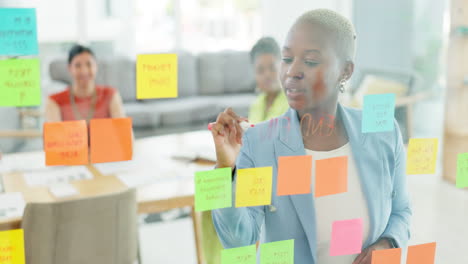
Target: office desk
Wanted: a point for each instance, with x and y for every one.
(164, 194)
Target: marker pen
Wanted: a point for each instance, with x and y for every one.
(244, 125)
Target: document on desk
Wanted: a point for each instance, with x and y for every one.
(55, 175)
(22, 162)
(61, 190)
(11, 205)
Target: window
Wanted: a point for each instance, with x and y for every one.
(197, 25)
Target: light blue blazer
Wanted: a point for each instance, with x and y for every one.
(380, 160)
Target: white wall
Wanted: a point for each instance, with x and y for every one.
(278, 15)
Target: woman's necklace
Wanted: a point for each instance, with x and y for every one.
(76, 111)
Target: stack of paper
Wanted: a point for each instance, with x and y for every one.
(11, 205)
(56, 175)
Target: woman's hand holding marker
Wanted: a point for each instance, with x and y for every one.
(227, 134)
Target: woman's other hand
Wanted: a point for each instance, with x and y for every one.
(227, 136)
(366, 255)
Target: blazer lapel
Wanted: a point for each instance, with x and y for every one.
(290, 144)
(368, 160)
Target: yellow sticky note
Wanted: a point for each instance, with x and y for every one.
(12, 247)
(253, 186)
(156, 76)
(422, 156)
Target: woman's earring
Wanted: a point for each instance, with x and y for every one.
(342, 85)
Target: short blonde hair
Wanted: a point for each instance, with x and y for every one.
(338, 25)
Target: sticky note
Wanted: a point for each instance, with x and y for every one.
(20, 83)
(18, 31)
(462, 170)
(111, 139)
(422, 156)
(213, 189)
(294, 175)
(386, 256)
(346, 237)
(277, 252)
(331, 176)
(66, 143)
(12, 247)
(253, 186)
(240, 255)
(156, 76)
(378, 113)
(421, 254)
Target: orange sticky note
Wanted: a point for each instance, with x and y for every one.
(386, 256)
(421, 254)
(331, 176)
(253, 186)
(294, 175)
(111, 139)
(66, 143)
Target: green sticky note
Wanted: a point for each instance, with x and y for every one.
(378, 113)
(277, 252)
(240, 255)
(18, 31)
(213, 189)
(20, 82)
(462, 170)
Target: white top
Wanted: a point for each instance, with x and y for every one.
(342, 206)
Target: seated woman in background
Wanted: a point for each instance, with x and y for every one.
(83, 100)
(271, 102)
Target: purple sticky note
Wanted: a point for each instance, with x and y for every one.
(346, 237)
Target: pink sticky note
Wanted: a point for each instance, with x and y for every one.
(346, 237)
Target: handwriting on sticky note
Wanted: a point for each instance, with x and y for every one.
(213, 189)
(462, 170)
(422, 156)
(294, 175)
(239, 255)
(66, 143)
(253, 186)
(12, 247)
(111, 139)
(386, 256)
(277, 252)
(18, 31)
(331, 176)
(421, 254)
(156, 76)
(346, 237)
(378, 113)
(20, 82)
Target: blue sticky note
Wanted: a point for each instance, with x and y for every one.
(378, 113)
(18, 31)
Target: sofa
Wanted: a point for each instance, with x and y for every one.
(207, 84)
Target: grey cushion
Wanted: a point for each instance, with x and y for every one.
(93, 230)
(211, 73)
(185, 111)
(238, 73)
(120, 74)
(225, 72)
(187, 75)
(240, 103)
(143, 115)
